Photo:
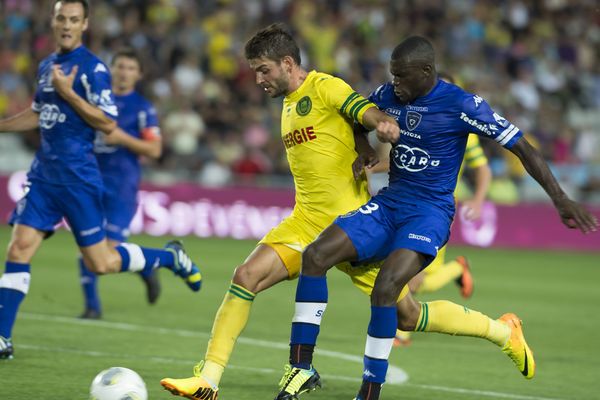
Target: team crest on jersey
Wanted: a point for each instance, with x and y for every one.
(413, 119)
(304, 106)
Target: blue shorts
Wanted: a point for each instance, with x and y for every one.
(376, 229)
(44, 205)
(119, 214)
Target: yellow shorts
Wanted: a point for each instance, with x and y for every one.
(438, 261)
(294, 233)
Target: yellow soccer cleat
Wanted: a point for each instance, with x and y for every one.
(516, 346)
(195, 388)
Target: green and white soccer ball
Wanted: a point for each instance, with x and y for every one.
(118, 383)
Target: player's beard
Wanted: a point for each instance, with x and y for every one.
(279, 87)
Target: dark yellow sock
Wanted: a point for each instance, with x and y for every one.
(446, 317)
(230, 321)
(440, 277)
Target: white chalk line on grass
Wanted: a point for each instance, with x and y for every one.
(396, 375)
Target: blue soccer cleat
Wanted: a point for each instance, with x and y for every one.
(184, 266)
(6, 349)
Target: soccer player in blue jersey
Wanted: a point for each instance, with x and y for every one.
(118, 158)
(406, 223)
(73, 99)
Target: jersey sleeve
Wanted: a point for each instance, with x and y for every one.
(149, 128)
(339, 95)
(478, 117)
(97, 83)
(474, 155)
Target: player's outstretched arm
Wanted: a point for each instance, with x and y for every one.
(385, 127)
(24, 121)
(148, 148)
(483, 179)
(573, 215)
(94, 116)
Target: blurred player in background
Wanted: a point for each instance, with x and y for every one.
(317, 132)
(73, 100)
(407, 223)
(118, 158)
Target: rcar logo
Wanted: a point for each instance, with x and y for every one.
(50, 115)
(412, 159)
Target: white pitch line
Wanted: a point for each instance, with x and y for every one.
(396, 375)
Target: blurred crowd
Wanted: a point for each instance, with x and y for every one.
(536, 62)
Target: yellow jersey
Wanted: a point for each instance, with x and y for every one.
(474, 155)
(316, 128)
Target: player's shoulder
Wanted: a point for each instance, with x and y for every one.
(383, 93)
(323, 79)
(92, 62)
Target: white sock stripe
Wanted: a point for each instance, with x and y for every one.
(378, 348)
(137, 261)
(16, 281)
(310, 313)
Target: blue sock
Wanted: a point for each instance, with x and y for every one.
(89, 284)
(380, 337)
(14, 285)
(135, 258)
(311, 301)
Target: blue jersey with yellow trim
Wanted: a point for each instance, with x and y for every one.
(119, 166)
(65, 155)
(425, 161)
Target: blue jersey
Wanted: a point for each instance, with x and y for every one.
(425, 161)
(119, 166)
(65, 156)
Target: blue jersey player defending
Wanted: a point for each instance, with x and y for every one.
(72, 101)
(406, 223)
(118, 159)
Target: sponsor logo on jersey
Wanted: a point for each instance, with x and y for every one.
(49, 115)
(304, 106)
(412, 159)
(410, 134)
(417, 108)
(393, 112)
(413, 119)
(299, 136)
(501, 120)
(419, 237)
(483, 127)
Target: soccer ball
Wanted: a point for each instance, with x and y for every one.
(118, 383)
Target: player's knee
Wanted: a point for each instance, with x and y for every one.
(246, 277)
(313, 261)
(20, 249)
(98, 267)
(384, 295)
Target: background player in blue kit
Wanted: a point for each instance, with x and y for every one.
(407, 222)
(73, 99)
(118, 159)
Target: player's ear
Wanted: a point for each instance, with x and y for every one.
(427, 69)
(85, 24)
(287, 63)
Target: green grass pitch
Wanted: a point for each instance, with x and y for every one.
(555, 293)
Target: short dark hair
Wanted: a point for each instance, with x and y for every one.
(127, 52)
(273, 42)
(84, 3)
(415, 48)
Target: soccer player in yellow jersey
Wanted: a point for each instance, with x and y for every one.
(317, 132)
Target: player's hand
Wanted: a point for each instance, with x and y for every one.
(114, 138)
(387, 132)
(471, 210)
(366, 159)
(574, 216)
(61, 82)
